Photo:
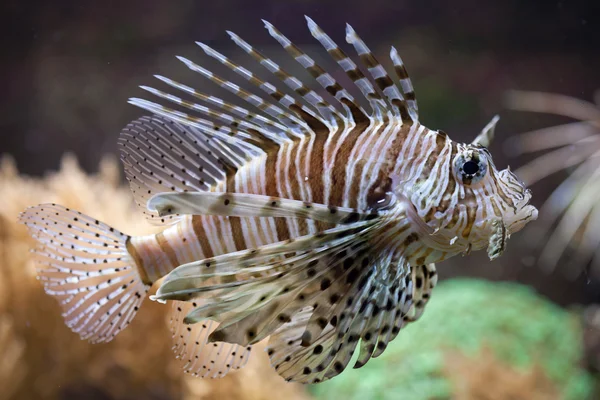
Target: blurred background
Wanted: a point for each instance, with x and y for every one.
(69, 68)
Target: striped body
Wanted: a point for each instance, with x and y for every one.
(353, 170)
(355, 175)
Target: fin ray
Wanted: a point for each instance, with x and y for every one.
(162, 156)
(85, 265)
(251, 205)
(198, 356)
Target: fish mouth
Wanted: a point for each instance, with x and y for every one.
(525, 215)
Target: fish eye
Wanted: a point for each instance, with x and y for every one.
(470, 167)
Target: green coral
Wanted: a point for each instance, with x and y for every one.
(517, 325)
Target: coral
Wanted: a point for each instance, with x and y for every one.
(483, 377)
(41, 358)
(476, 340)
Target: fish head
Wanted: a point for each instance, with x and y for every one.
(494, 203)
(518, 210)
(462, 202)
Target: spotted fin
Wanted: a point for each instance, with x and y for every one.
(197, 355)
(347, 285)
(251, 205)
(86, 266)
(160, 155)
(254, 292)
(375, 304)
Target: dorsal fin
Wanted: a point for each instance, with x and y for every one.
(284, 99)
(384, 82)
(198, 356)
(405, 83)
(353, 110)
(351, 69)
(310, 96)
(296, 115)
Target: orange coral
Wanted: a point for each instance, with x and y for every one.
(484, 377)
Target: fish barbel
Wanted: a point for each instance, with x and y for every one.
(310, 220)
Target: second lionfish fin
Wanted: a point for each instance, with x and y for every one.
(254, 292)
(198, 356)
(160, 155)
(318, 277)
(251, 205)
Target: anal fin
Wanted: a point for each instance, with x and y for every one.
(197, 354)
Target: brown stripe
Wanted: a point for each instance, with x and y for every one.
(432, 159)
(338, 174)
(448, 193)
(384, 82)
(471, 211)
(454, 220)
(234, 222)
(166, 248)
(294, 184)
(355, 188)
(393, 152)
(139, 262)
(403, 108)
(283, 232)
(368, 60)
(200, 233)
(401, 71)
(337, 54)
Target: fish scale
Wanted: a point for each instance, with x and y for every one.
(316, 224)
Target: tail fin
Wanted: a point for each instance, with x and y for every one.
(85, 265)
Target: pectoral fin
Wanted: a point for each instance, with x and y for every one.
(251, 205)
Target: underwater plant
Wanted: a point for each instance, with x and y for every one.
(478, 340)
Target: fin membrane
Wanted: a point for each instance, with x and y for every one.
(85, 265)
(199, 356)
(160, 155)
(370, 308)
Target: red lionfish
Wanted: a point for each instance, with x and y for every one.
(314, 224)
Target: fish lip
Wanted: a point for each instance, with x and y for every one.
(526, 214)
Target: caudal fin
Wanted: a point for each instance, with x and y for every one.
(85, 265)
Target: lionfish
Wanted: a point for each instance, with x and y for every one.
(314, 224)
(571, 212)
